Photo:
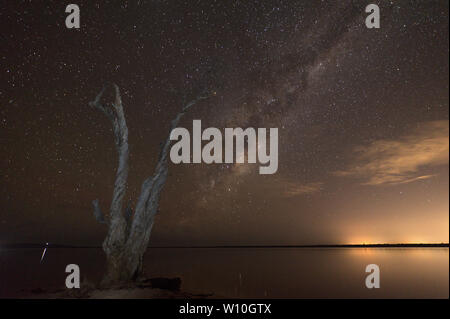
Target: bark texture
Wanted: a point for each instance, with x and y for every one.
(129, 232)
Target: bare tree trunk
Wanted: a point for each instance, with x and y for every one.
(128, 233)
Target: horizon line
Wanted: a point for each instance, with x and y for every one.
(39, 245)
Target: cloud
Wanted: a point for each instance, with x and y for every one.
(401, 161)
(294, 189)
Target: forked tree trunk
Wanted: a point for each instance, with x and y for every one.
(128, 232)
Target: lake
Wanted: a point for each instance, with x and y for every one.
(249, 272)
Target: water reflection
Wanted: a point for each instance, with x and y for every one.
(252, 273)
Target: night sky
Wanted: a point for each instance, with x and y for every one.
(363, 118)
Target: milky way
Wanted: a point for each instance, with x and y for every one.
(362, 117)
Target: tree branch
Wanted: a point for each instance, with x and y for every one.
(117, 229)
(98, 212)
(147, 204)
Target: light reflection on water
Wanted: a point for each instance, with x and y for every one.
(250, 272)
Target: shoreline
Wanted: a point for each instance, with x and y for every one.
(436, 245)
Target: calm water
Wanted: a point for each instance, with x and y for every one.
(250, 272)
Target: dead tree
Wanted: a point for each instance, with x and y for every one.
(129, 232)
